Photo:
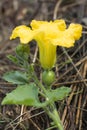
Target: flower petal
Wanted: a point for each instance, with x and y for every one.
(57, 24)
(60, 24)
(47, 51)
(49, 29)
(47, 54)
(67, 38)
(75, 30)
(24, 33)
(37, 24)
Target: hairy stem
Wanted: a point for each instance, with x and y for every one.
(53, 114)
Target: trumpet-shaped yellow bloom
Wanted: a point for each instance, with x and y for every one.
(48, 36)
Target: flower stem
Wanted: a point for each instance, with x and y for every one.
(50, 108)
(53, 114)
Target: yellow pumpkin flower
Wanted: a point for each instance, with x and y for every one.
(48, 36)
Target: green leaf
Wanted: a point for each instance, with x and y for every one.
(13, 59)
(16, 77)
(22, 51)
(58, 94)
(23, 95)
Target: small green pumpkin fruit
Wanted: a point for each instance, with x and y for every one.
(48, 77)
